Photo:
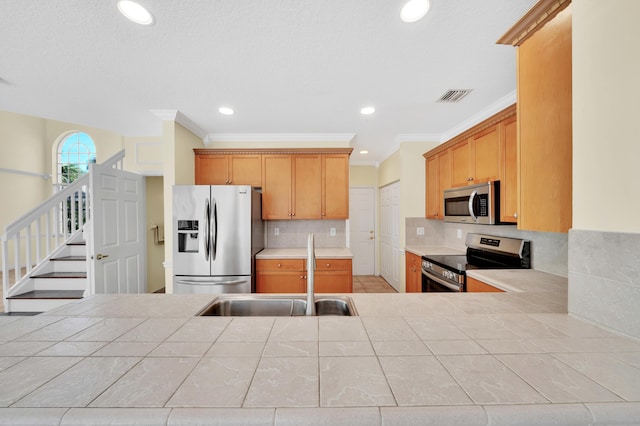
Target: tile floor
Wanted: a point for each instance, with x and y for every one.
(371, 284)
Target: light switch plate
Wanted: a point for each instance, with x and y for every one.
(459, 233)
(420, 231)
(332, 232)
(276, 231)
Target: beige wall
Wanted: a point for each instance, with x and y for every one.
(144, 155)
(22, 148)
(155, 217)
(389, 170)
(606, 89)
(363, 176)
(178, 143)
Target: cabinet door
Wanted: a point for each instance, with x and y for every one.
(413, 273)
(245, 169)
(281, 282)
(476, 286)
(461, 156)
(211, 170)
(444, 179)
(335, 186)
(276, 187)
(307, 186)
(509, 177)
(432, 197)
(486, 155)
(333, 282)
(544, 75)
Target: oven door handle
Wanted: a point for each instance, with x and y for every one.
(471, 198)
(441, 281)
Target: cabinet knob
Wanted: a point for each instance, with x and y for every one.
(515, 215)
(328, 265)
(279, 265)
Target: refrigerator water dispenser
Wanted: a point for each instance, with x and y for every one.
(188, 236)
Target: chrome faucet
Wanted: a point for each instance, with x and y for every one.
(311, 267)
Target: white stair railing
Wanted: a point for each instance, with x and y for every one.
(30, 240)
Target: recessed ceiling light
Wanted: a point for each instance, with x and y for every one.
(367, 110)
(225, 111)
(135, 12)
(414, 10)
(364, 151)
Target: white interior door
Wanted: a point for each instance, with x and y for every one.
(118, 252)
(390, 234)
(362, 202)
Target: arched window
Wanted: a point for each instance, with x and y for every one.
(75, 152)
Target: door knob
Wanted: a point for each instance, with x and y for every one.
(101, 256)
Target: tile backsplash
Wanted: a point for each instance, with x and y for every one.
(549, 250)
(294, 233)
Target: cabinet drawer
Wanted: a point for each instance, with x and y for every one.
(280, 264)
(333, 265)
(474, 285)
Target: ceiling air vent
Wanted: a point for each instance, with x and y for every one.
(454, 95)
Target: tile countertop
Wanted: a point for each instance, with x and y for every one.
(301, 253)
(441, 359)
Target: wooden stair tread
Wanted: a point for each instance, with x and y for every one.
(69, 258)
(61, 275)
(50, 294)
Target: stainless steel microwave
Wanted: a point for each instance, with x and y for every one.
(477, 204)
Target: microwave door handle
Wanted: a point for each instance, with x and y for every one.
(471, 198)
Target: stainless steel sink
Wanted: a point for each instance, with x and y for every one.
(276, 306)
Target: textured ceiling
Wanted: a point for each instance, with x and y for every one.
(285, 66)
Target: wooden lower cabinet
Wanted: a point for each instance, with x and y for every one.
(333, 276)
(413, 273)
(477, 286)
(290, 276)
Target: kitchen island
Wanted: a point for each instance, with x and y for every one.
(442, 359)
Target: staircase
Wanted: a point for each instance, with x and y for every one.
(48, 246)
(61, 280)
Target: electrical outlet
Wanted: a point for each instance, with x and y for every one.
(459, 233)
(276, 231)
(420, 231)
(332, 232)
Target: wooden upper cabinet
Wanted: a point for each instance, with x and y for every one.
(276, 186)
(544, 81)
(486, 155)
(486, 152)
(335, 186)
(476, 159)
(462, 163)
(432, 208)
(307, 186)
(245, 170)
(438, 179)
(509, 175)
(228, 169)
(211, 169)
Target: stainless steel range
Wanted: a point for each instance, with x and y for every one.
(447, 273)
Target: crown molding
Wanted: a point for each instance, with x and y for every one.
(180, 118)
(279, 137)
(479, 117)
(541, 13)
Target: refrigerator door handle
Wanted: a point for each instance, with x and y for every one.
(214, 237)
(191, 282)
(207, 226)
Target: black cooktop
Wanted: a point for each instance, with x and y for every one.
(452, 262)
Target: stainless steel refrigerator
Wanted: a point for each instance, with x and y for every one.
(218, 230)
